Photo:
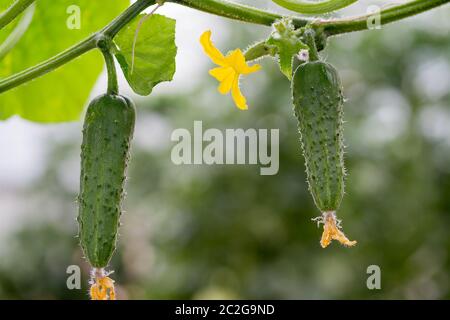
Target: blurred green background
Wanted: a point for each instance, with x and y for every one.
(227, 232)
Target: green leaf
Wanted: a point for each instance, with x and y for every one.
(60, 95)
(155, 52)
(288, 44)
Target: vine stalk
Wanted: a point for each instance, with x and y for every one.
(239, 12)
(387, 15)
(224, 8)
(13, 11)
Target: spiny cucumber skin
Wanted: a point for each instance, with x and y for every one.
(318, 106)
(107, 133)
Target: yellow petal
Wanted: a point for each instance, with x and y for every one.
(225, 86)
(221, 73)
(238, 98)
(232, 58)
(102, 289)
(97, 292)
(94, 292)
(107, 282)
(251, 69)
(331, 231)
(212, 52)
(236, 60)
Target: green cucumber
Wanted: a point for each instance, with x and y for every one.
(107, 133)
(318, 106)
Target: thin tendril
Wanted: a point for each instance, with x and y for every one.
(136, 33)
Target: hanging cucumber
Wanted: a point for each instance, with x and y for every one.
(107, 133)
(314, 7)
(318, 106)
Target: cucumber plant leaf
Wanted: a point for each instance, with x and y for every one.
(60, 95)
(154, 52)
(288, 44)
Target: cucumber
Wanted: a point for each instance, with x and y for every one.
(107, 133)
(318, 106)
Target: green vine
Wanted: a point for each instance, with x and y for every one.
(309, 7)
(388, 15)
(238, 12)
(329, 27)
(13, 11)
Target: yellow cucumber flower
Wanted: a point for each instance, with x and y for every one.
(332, 230)
(231, 67)
(102, 286)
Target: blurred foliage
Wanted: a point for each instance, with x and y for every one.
(59, 97)
(227, 232)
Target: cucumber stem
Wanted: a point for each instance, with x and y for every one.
(310, 39)
(104, 44)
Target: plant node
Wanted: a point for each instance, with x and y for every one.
(103, 42)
